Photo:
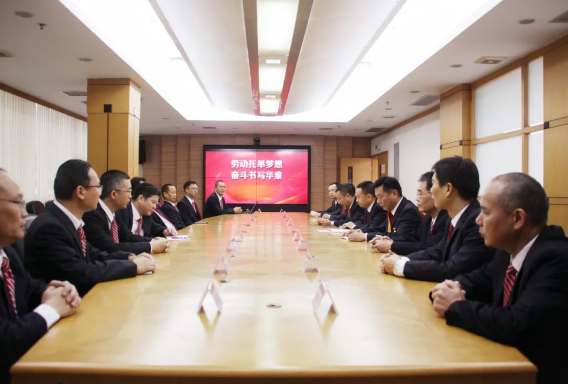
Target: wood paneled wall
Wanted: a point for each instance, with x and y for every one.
(178, 158)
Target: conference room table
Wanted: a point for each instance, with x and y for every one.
(147, 329)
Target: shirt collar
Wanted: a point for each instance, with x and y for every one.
(518, 260)
(105, 208)
(76, 222)
(167, 201)
(135, 213)
(2, 256)
(456, 219)
(219, 196)
(189, 199)
(370, 207)
(395, 208)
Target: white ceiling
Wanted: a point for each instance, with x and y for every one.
(46, 61)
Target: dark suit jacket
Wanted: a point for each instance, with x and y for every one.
(353, 214)
(536, 316)
(152, 228)
(405, 222)
(465, 252)
(53, 252)
(17, 335)
(425, 239)
(213, 208)
(188, 214)
(376, 217)
(334, 209)
(100, 236)
(172, 214)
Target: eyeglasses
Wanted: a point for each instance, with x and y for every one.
(99, 187)
(22, 203)
(121, 190)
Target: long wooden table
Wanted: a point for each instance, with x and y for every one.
(147, 330)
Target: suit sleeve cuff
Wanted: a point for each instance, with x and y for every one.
(399, 266)
(49, 314)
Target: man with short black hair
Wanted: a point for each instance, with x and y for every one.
(137, 216)
(403, 218)
(28, 306)
(374, 214)
(345, 195)
(455, 185)
(431, 229)
(187, 206)
(215, 204)
(168, 208)
(335, 208)
(520, 298)
(56, 246)
(107, 233)
(136, 181)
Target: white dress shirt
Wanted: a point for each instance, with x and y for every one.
(220, 198)
(77, 223)
(518, 260)
(49, 314)
(110, 215)
(399, 265)
(135, 217)
(190, 200)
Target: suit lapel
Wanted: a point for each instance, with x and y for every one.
(68, 225)
(398, 213)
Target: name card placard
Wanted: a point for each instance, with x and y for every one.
(222, 266)
(296, 236)
(321, 291)
(238, 237)
(244, 229)
(232, 247)
(309, 264)
(213, 289)
(248, 224)
(302, 245)
(292, 228)
(259, 211)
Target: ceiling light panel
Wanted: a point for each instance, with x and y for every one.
(276, 20)
(269, 106)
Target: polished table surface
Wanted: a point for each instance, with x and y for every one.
(147, 329)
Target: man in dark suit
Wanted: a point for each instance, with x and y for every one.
(334, 208)
(431, 228)
(169, 209)
(137, 216)
(187, 206)
(56, 246)
(352, 212)
(374, 215)
(215, 204)
(403, 218)
(455, 186)
(136, 181)
(520, 298)
(28, 306)
(106, 233)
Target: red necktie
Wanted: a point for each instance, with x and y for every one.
(343, 211)
(349, 213)
(450, 232)
(196, 210)
(175, 206)
(367, 216)
(9, 282)
(432, 226)
(139, 230)
(391, 219)
(221, 203)
(114, 230)
(510, 277)
(83, 240)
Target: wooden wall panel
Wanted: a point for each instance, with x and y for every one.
(558, 215)
(556, 84)
(176, 159)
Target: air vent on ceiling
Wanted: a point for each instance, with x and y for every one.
(75, 93)
(563, 18)
(375, 129)
(326, 129)
(387, 117)
(490, 60)
(4, 54)
(209, 127)
(426, 100)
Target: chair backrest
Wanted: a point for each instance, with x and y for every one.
(20, 243)
(35, 207)
(48, 203)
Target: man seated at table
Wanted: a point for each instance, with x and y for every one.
(374, 214)
(215, 204)
(137, 216)
(403, 218)
(56, 246)
(455, 186)
(520, 298)
(29, 307)
(334, 208)
(169, 209)
(108, 234)
(187, 206)
(136, 181)
(345, 195)
(431, 229)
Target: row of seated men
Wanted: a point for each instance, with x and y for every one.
(95, 231)
(502, 271)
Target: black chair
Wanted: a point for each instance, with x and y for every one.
(35, 207)
(48, 203)
(20, 243)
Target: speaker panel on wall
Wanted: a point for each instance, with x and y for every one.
(141, 151)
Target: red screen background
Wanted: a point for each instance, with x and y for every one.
(292, 188)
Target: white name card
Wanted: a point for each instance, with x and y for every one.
(296, 236)
(232, 247)
(248, 224)
(309, 264)
(244, 229)
(212, 289)
(292, 228)
(321, 291)
(222, 266)
(238, 237)
(302, 245)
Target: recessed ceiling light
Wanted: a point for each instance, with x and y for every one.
(85, 59)
(270, 96)
(526, 21)
(490, 60)
(388, 109)
(165, 118)
(23, 14)
(456, 65)
(272, 61)
(388, 117)
(369, 121)
(414, 91)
